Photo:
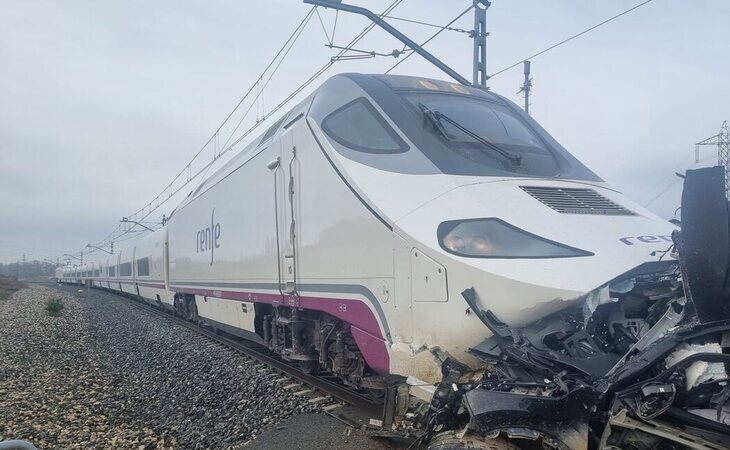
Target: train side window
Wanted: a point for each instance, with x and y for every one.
(357, 125)
(143, 267)
(125, 269)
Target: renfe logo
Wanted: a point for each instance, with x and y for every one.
(208, 239)
(646, 239)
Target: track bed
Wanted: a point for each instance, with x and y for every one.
(105, 374)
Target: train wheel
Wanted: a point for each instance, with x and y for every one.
(450, 440)
(311, 367)
(177, 308)
(192, 311)
(376, 394)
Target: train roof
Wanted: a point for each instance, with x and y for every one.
(381, 88)
(368, 82)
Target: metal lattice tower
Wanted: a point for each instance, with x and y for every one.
(722, 141)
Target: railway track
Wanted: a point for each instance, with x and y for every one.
(323, 391)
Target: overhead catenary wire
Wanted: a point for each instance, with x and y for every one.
(432, 25)
(266, 83)
(663, 191)
(334, 26)
(443, 28)
(316, 74)
(187, 168)
(564, 41)
(292, 95)
(248, 92)
(260, 93)
(674, 181)
(294, 35)
(321, 22)
(120, 229)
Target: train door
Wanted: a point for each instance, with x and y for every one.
(119, 262)
(106, 274)
(166, 264)
(135, 271)
(401, 306)
(287, 194)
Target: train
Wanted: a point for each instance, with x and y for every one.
(391, 227)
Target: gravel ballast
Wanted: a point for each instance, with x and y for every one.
(105, 374)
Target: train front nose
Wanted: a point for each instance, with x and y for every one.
(528, 246)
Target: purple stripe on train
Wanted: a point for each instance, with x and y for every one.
(364, 325)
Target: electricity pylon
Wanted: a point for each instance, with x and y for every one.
(722, 141)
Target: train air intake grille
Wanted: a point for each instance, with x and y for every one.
(576, 201)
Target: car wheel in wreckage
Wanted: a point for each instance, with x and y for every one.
(704, 243)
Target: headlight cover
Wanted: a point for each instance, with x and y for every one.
(495, 238)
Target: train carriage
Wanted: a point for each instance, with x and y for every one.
(375, 229)
(125, 271)
(150, 268)
(368, 209)
(392, 225)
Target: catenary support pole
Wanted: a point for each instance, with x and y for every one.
(479, 34)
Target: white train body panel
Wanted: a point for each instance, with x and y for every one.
(107, 265)
(229, 313)
(125, 271)
(335, 273)
(301, 219)
(150, 268)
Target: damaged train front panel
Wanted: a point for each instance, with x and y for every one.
(637, 364)
(629, 350)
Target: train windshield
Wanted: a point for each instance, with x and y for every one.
(415, 126)
(479, 133)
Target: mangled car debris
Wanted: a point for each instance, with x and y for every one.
(640, 363)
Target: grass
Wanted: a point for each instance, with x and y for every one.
(8, 286)
(54, 307)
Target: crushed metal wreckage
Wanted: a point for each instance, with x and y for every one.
(641, 363)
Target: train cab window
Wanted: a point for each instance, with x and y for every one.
(482, 135)
(125, 269)
(112, 271)
(143, 267)
(358, 126)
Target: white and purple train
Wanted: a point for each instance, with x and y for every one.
(368, 230)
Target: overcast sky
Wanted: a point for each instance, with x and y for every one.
(102, 103)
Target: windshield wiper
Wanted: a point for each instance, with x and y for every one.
(434, 117)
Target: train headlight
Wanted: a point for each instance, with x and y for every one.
(495, 238)
(454, 243)
(480, 245)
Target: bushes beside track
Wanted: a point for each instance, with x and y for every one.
(8, 286)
